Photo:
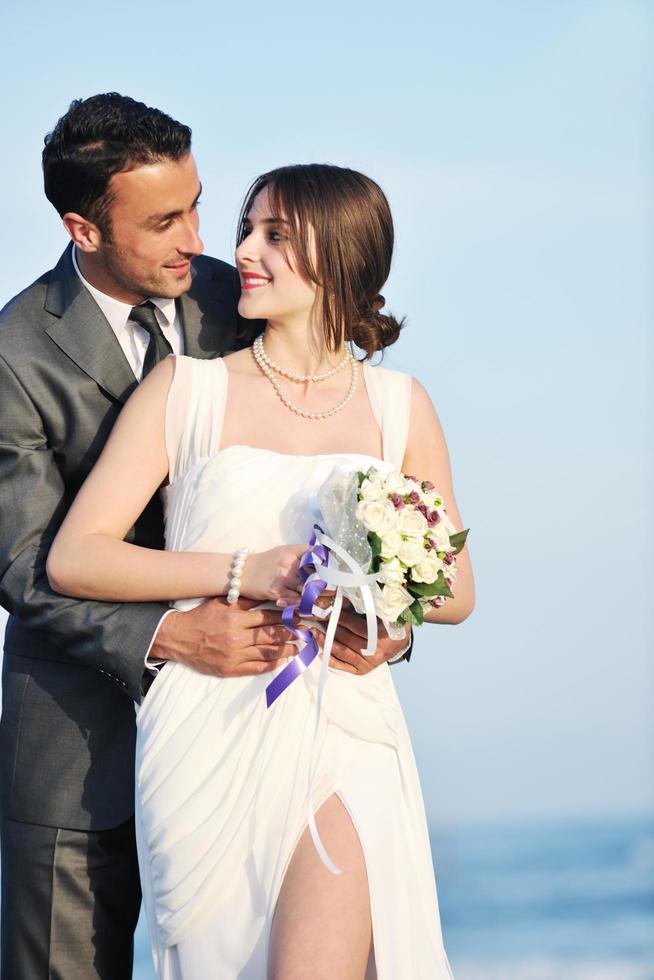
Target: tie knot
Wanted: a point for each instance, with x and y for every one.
(145, 316)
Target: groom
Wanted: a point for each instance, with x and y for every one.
(131, 288)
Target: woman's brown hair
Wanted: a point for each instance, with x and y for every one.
(348, 216)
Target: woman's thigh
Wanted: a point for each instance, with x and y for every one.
(322, 925)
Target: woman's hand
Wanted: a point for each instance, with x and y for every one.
(273, 576)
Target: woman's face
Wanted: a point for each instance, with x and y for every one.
(271, 287)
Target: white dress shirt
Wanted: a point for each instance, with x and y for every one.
(133, 338)
(134, 341)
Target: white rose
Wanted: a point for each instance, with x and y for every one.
(392, 573)
(370, 490)
(391, 544)
(394, 600)
(412, 522)
(426, 570)
(412, 551)
(377, 516)
(394, 482)
(441, 535)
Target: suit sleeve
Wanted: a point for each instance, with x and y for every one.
(111, 637)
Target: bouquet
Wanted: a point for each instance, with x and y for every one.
(397, 528)
(384, 542)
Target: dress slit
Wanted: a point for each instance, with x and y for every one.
(370, 971)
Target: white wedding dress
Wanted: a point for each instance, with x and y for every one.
(221, 780)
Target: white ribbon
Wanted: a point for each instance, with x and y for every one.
(356, 578)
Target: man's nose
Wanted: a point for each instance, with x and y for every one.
(191, 243)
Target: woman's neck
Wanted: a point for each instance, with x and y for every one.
(300, 348)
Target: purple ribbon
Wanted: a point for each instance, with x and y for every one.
(310, 592)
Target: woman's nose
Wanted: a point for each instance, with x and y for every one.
(247, 250)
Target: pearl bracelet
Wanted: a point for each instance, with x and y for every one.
(238, 561)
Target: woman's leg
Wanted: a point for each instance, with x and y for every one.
(322, 927)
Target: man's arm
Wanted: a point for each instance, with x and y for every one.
(113, 637)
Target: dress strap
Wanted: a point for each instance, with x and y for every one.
(390, 398)
(195, 411)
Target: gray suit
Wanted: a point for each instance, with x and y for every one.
(72, 669)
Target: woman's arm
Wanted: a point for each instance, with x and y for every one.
(89, 558)
(427, 458)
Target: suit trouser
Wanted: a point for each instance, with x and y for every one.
(70, 902)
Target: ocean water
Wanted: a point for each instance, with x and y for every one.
(559, 900)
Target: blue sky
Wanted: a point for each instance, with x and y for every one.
(515, 144)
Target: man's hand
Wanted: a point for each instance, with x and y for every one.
(350, 639)
(225, 640)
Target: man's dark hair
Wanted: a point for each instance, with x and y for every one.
(97, 138)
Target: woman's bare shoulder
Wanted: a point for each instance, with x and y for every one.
(241, 361)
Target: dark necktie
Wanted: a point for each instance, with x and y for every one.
(158, 348)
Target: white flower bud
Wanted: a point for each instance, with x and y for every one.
(394, 482)
(441, 535)
(412, 522)
(370, 490)
(394, 600)
(392, 572)
(391, 544)
(412, 551)
(377, 516)
(426, 570)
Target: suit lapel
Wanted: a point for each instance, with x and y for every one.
(81, 331)
(207, 313)
(208, 316)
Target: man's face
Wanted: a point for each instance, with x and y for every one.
(153, 231)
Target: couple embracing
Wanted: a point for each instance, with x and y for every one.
(151, 539)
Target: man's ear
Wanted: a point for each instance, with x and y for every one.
(86, 236)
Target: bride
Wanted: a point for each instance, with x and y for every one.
(233, 884)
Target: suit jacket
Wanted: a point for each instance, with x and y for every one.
(73, 669)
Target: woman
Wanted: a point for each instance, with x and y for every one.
(233, 884)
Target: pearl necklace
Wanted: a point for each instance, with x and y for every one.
(269, 373)
(291, 375)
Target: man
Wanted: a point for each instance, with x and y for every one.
(131, 288)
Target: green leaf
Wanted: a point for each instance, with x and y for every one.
(416, 610)
(412, 614)
(442, 588)
(458, 540)
(423, 589)
(439, 587)
(375, 545)
(360, 478)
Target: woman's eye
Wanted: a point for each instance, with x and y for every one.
(275, 236)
